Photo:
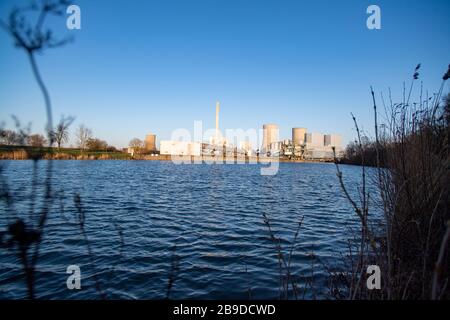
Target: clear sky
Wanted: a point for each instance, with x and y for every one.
(155, 66)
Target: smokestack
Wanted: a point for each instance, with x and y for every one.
(217, 120)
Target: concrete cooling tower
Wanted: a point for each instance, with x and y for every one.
(298, 136)
(270, 135)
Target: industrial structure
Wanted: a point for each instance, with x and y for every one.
(150, 143)
(180, 148)
(246, 147)
(218, 139)
(298, 136)
(148, 146)
(270, 136)
(302, 145)
(217, 134)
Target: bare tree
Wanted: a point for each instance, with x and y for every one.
(137, 146)
(61, 132)
(83, 135)
(97, 144)
(136, 143)
(36, 140)
(8, 137)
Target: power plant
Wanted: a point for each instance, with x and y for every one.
(302, 145)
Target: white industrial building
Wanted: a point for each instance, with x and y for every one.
(314, 140)
(180, 148)
(319, 146)
(333, 140)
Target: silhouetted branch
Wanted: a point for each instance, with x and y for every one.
(81, 223)
(33, 40)
(174, 269)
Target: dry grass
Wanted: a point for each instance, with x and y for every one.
(412, 156)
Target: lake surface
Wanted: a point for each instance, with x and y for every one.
(211, 214)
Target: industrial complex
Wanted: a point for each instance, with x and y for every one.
(302, 145)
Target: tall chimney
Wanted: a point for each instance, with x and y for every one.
(217, 120)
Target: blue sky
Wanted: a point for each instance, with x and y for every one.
(155, 66)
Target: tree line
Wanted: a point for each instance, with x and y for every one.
(366, 151)
(59, 136)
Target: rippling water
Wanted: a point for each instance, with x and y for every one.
(211, 214)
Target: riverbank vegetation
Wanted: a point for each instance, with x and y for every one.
(50, 153)
(409, 242)
(20, 144)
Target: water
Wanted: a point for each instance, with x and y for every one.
(211, 214)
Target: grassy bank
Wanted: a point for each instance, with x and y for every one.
(27, 152)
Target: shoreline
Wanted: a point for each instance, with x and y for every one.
(29, 153)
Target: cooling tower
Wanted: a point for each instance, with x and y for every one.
(270, 135)
(150, 142)
(298, 136)
(333, 140)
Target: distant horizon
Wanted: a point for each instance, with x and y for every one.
(158, 66)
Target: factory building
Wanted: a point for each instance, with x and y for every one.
(333, 140)
(180, 148)
(218, 144)
(319, 146)
(314, 140)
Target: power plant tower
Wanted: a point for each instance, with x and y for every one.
(270, 135)
(150, 142)
(298, 136)
(217, 136)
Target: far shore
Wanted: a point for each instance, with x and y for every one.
(46, 153)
